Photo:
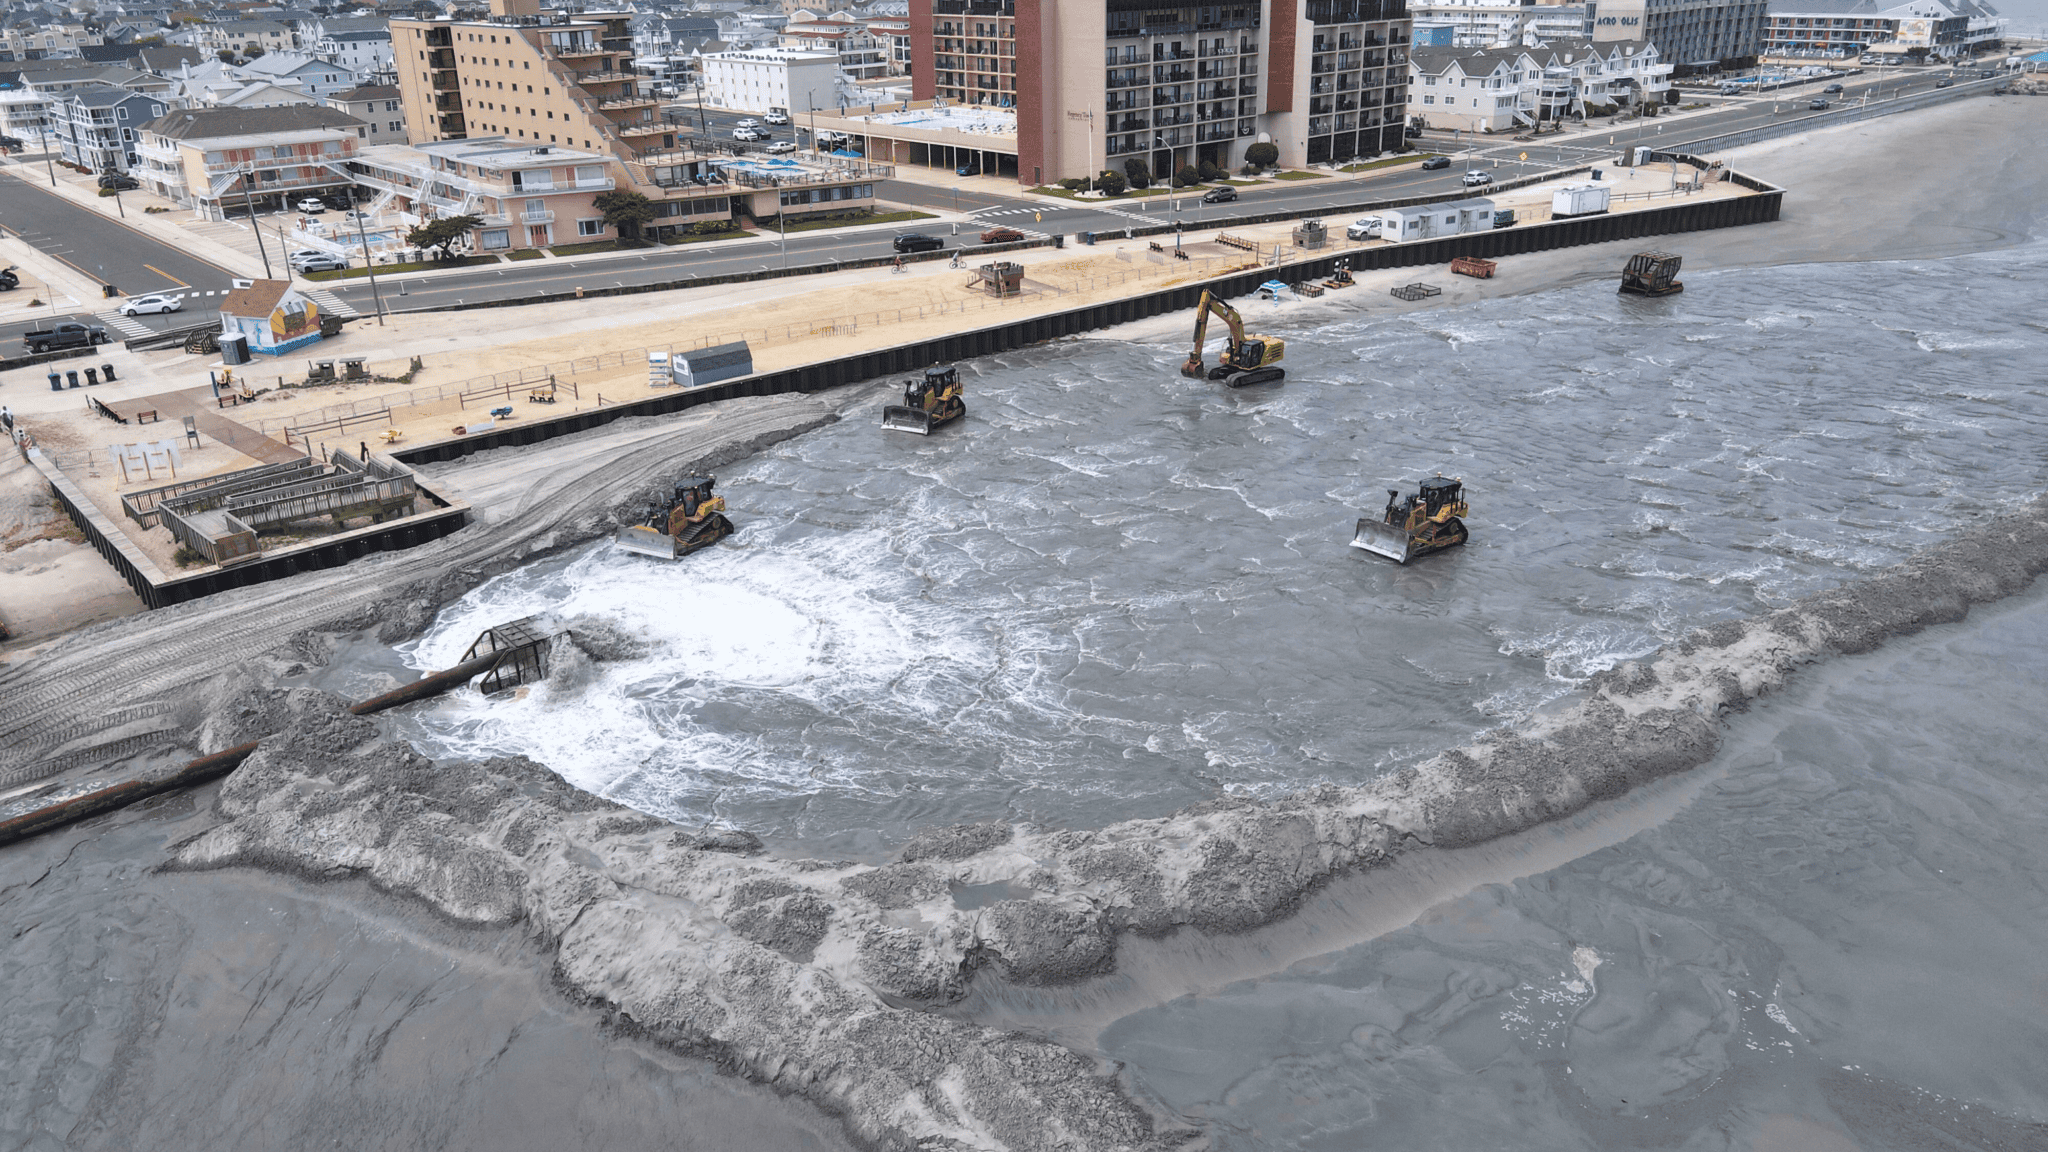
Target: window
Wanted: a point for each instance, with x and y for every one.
(590, 227)
(496, 238)
(362, 133)
(398, 125)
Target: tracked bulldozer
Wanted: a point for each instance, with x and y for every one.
(693, 518)
(1245, 359)
(927, 403)
(1429, 521)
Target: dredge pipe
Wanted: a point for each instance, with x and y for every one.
(218, 764)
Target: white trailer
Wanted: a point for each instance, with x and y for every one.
(1440, 219)
(1587, 199)
(1475, 215)
(1398, 224)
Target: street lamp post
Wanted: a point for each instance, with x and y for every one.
(363, 235)
(255, 226)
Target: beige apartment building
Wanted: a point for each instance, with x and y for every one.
(223, 161)
(1108, 83)
(541, 82)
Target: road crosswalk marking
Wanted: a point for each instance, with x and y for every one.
(128, 328)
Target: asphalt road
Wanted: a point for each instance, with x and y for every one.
(138, 263)
(103, 252)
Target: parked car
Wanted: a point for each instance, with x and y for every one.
(12, 142)
(319, 262)
(1818, 105)
(152, 304)
(1412, 132)
(782, 146)
(63, 334)
(352, 216)
(1364, 228)
(1945, 82)
(745, 133)
(967, 170)
(119, 182)
(749, 122)
(9, 278)
(1223, 195)
(1477, 179)
(918, 242)
(1001, 236)
(1831, 89)
(312, 206)
(776, 116)
(298, 254)
(1436, 162)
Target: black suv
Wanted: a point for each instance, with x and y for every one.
(1223, 195)
(918, 242)
(1436, 162)
(119, 183)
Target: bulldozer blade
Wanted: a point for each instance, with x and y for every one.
(903, 418)
(647, 542)
(1382, 539)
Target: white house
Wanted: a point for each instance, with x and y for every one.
(757, 80)
(1513, 88)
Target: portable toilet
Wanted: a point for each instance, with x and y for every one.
(1475, 215)
(1588, 199)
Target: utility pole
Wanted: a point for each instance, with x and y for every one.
(364, 236)
(249, 202)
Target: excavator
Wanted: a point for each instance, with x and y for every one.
(1426, 522)
(1245, 359)
(927, 403)
(692, 519)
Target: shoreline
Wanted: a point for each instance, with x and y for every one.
(793, 966)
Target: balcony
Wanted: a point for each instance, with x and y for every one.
(451, 124)
(642, 129)
(441, 58)
(588, 79)
(544, 216)
(446, 82)
(576, 51)
(625, 103)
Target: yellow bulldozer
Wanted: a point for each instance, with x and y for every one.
(1429, 521)
(1245, 359)
(693, 518)
(927, 403)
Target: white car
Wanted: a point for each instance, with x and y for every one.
(352, 217)
(781, 146)
(749, 122)
(1366, 228)
(151, 305)
(745, 133)
(311, 206)
(1475, 179)
(777, 118)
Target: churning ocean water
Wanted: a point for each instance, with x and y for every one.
(1112, 591)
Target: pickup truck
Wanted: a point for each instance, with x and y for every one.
(64, 334)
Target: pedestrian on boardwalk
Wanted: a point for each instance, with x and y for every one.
(6, 417)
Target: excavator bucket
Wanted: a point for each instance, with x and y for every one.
(1383, 539)
(647, 542)
(903, 418)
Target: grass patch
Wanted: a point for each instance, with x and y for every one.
(702, 237)
(584, 249)
(1302, 176)
(388, 269)
(768, 225)
(524, 254)
(1410, 158)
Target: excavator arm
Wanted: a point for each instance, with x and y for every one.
(1212, 303)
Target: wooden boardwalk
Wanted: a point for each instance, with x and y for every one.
(171, 408)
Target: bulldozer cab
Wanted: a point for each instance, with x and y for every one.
(1439, 493)
(692, 492)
